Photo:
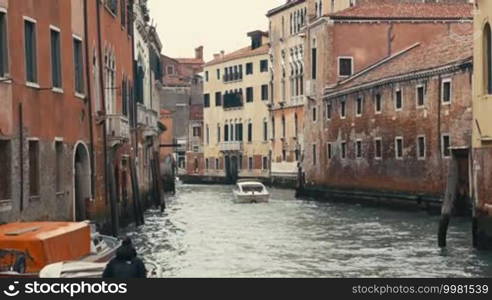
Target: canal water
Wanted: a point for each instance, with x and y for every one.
(204, 234)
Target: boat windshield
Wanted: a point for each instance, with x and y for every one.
(250, 188)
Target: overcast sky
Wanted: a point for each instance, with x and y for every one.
(216, 24)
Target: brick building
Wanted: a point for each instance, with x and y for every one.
(372, 81)
(182, 88)
(45, 135)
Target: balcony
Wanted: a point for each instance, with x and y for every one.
(147, 120)
(118, 128)
(232, 101)
(231, 146)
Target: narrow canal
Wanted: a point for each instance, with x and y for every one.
(204, 234)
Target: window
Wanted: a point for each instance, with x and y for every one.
(284, 155)
(358, 149)
(197, 131)
(6, 167)
(314, 114)
(265, 163)
(207, 166)
(359, 106)
(218, 133)
(240, 72)
(56, 75)
(78, 63)
(446, 91)
(58, 166)
(226, 133)
(123, 13)
(378, 103)
(378, 151)
(249, 68)
(240, 162)
(208, 135)
(239, 132)
(284, 128)
(30, 44)
(446, 145)
(329, 151)
(421, 151)
(487, 61)
(314, 155)
(206, 76)
(398, 100)
(33, 168)
(344, 150)
(218, 74)
(314, 63)
(399, 148)
(249, 94)
(345, 67)
(420, 94)
(4, 64)
(328, 110)
(265, 131)
(273, 127)
(250, 132)
(264, 92)
(250, 163)
(170, 70)
(343, 109)
(264, 65)
(112, 5)
(217, 164)
(206, 100)
(218, 99)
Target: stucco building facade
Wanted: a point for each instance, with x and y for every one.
(236, 114)
(482, 124)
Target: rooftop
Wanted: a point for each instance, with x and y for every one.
(390, 10)
(241, 53)
(447, 51)
(288, 4)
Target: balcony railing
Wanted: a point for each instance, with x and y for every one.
(118, 127)
(231, 146)
(233, 101)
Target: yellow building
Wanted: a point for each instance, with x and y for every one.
(287, 108)
(482, 127)
(236, 98)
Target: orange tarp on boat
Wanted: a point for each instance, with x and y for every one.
(46, 242)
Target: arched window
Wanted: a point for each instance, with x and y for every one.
(487, 40)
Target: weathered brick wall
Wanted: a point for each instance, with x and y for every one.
(409, 174)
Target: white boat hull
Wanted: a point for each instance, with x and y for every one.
(251, 198)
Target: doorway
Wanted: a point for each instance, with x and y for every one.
(82, 182)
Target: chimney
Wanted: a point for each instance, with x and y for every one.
(222, 53)
(217, 55)
(257, 38)
(199, 52)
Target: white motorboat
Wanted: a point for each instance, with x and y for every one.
(81, 269)
(250, 191)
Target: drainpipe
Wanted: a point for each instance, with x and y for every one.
(21, 156)
(89, 100)
(104, 127)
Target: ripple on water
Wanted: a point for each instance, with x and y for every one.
(204, 234)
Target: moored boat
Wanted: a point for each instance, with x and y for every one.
(26, 248)
(250, 191)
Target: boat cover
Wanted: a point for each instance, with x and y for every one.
(45, 243)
